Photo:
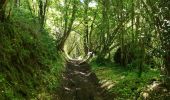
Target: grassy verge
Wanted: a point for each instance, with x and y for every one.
(124, 83)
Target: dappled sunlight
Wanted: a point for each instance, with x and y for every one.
(107, 84)
(84, 50)
(118, 80)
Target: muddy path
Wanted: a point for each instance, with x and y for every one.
(80, 83)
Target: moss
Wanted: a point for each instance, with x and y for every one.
(30, 65)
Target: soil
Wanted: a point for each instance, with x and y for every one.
(80, 83)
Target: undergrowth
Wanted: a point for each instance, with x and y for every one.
(30, 66)
(126, 84)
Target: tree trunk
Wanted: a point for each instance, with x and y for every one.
(163, 23)
(17, 3)
(2, 10)
(42, 12)
(86, 29)
(68, 26)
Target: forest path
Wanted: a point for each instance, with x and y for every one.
(80, 83)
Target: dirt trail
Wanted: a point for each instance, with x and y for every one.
(79, 83)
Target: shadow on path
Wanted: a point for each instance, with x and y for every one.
(80, 83)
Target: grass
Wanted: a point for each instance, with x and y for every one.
(125, 83)
(30, 66)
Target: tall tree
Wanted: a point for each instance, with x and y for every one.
(68, 22)
(159, 12)
(86, 26)
(2, 10)
(163, 23)
(42, 12)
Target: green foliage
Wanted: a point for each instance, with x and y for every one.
(126, 83)
(30, 64)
